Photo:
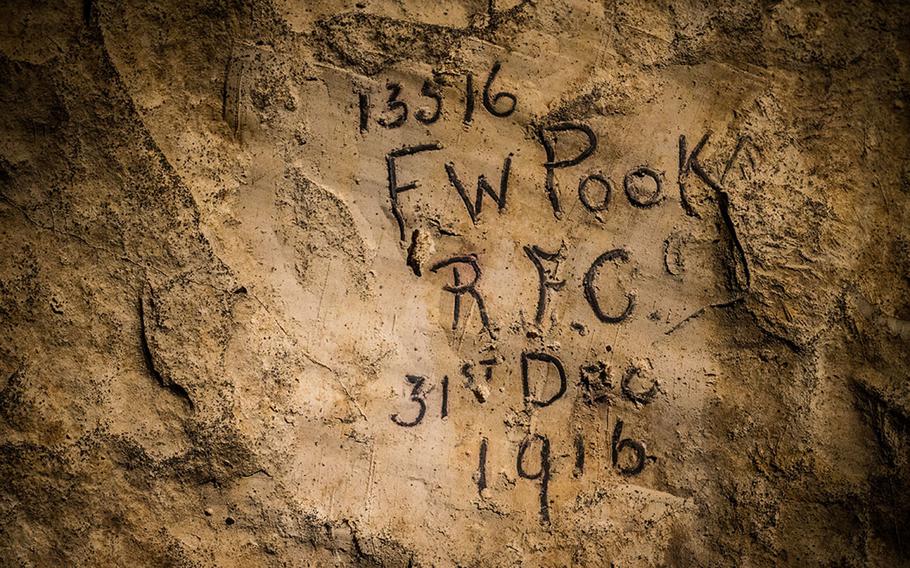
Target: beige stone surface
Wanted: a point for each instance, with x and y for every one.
(209, 312)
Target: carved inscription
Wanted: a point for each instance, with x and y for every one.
(566, 152)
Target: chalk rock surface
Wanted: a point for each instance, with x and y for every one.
(466, 283)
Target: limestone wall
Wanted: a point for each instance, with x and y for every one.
(412, 283)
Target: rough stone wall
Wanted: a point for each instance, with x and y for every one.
(669, 327)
